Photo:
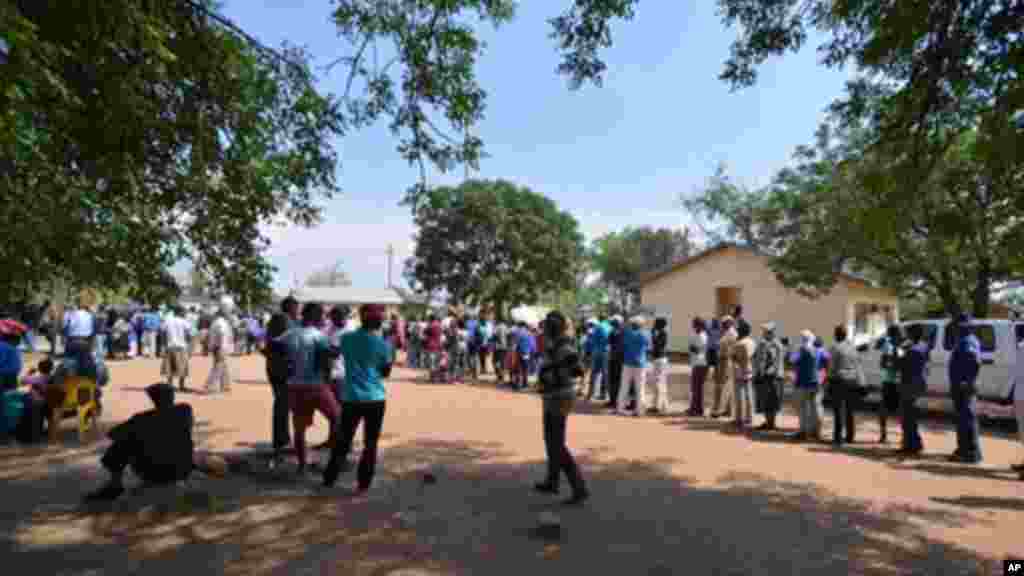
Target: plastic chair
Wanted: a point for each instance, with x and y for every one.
(79, 402)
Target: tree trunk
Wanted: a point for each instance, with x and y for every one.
(982, 294)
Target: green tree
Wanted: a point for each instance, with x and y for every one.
(137, 134)
(842, 208)
(493, 242)
(622, 258)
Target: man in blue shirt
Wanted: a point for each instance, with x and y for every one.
(598, 343)
(635, 343)
(150, 327)
(914, 384)
(368, 360)
(964, 365)
(10, 368)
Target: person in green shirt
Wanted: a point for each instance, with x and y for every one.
(368, 360)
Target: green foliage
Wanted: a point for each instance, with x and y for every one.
(140, 133)
(622, 258)
(414, 64)
(493, 242)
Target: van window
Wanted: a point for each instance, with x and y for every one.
(1019, 329)
(930, 331)
(986, 334)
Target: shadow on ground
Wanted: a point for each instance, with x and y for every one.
(476, 519)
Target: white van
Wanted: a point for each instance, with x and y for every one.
(999, 340)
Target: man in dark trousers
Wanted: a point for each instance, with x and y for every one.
(964, 365)
(914, 379)
(276, 353)
(616, 360)
(156, 444)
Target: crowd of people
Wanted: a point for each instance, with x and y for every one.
(323, 360)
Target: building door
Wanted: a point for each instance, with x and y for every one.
(727, 298)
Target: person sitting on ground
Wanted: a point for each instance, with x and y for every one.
(156, 444)
(39, 378)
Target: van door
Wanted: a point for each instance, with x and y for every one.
(996, 340)
(871, 362)
(938, 376)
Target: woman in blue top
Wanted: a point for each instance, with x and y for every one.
(368, 359)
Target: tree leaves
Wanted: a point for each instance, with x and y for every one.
(148, 133)
(493, 242)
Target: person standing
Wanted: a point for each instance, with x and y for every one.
(484, 345)
(560, 368)
(309, 367)
(524, 351)
(740, 320)
(176, 336)
(433, 346)
(636, 343)
(769, 376)
(221, 342)
(742, 357)
(79, 328)
(892, 350)
(599, 341)
(698, 348)
(1018, 402)
(914, 380)
(659, 368)
(500, 338)
(845, 380)
(616, 359)
(150, 329)
(276, 353)
(964, 366)
(808, 387)
(722, 406)
(368, 361)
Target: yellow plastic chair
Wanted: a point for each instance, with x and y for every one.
(79, 402)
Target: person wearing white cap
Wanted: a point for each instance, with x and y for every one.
(636, 342)
(807, 365)
(221, 342)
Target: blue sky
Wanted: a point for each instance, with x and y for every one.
(620, 155)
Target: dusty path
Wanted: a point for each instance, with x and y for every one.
(671, 496)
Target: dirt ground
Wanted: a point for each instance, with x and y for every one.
(670, 496)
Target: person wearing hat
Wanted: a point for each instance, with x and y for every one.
(156, 444)
(220, 342)
(769, 375)
(913, 385)
(806, 382)
(636, 343)
(964, 366)
(368, 361)
(559, 371)
(722, 404)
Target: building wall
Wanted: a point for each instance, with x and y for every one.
(690, 292)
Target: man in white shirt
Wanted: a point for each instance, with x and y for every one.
(79, 328)
(177, 333)
(221, 340)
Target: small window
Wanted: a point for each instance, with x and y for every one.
(986, 334)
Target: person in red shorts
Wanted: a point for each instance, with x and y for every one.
(309, 371)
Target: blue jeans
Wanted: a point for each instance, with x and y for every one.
(598, 373)
(966, 403)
